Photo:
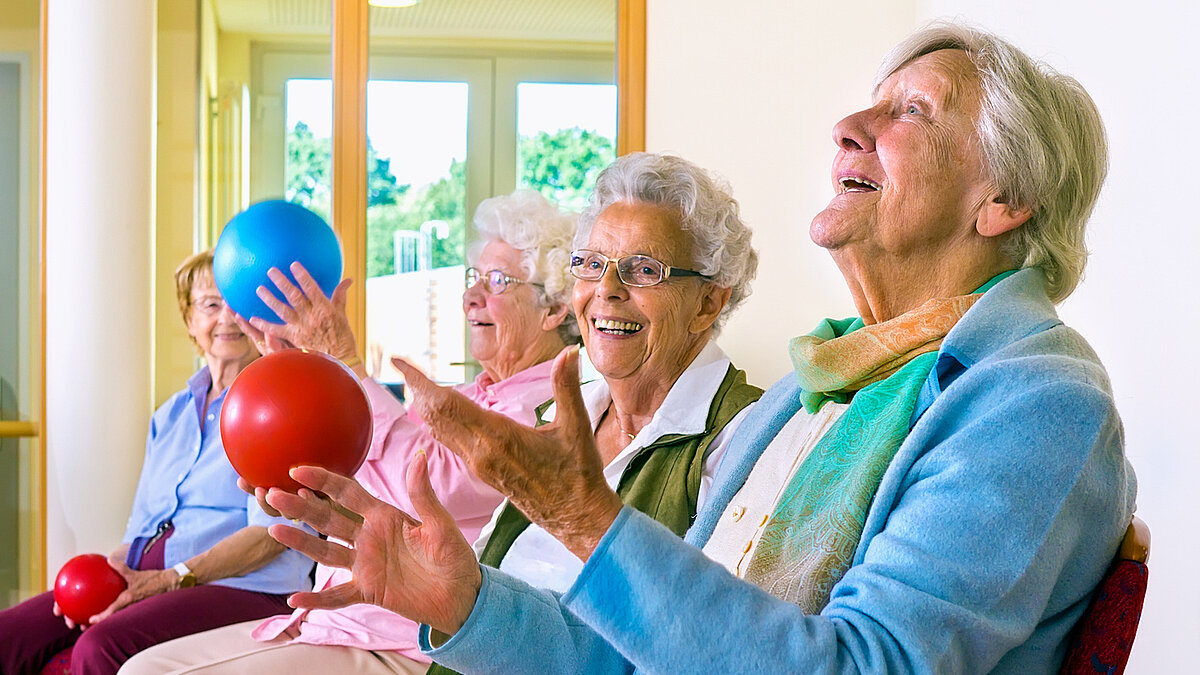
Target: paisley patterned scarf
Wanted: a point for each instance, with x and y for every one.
(808, 543)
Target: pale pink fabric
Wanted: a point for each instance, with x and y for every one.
(398, 435)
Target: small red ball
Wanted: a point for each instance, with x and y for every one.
(295, 408)
(86, 586)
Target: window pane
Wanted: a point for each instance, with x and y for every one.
(309, 144)
(567, 134)
(13, 295)
(416, 181)
(416, 162)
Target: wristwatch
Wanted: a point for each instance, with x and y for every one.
(186, 578)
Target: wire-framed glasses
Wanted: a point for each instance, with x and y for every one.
(208, 305)
(494, 281)
(632, 270)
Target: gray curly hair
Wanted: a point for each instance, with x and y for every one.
(532, 224)
(706, 209)
(1043, 142)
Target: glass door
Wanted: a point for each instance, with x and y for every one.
(556, 125)
(10, 324)
(21, 464)
(428, 150)
(416, 225)
(566, 134)
(443, 133)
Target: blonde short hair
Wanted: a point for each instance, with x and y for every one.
(191, 270)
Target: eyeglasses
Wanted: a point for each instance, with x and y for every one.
(494, 281)
(208, 305)
(632, 270)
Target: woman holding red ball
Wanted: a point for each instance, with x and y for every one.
(196, 554)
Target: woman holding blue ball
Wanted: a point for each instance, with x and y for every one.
(517, 308)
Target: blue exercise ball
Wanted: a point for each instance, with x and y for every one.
(270, 234)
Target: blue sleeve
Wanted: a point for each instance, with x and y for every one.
(988, 524)
(515, 628)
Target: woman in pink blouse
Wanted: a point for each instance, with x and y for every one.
(518, 313)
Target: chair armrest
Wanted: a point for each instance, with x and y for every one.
(1135, 545)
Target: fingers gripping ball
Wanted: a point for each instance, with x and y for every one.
(86, 586)
(273, 234)
(295, 408)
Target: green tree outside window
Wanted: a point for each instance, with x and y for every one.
(562, 166)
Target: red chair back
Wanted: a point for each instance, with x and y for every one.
(59, 664)
(1103, 638)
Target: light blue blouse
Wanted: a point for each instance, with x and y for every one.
(187, 479)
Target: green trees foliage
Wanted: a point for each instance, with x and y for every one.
(307, 170)
(561, 165)
(308, 179)
(442, 200)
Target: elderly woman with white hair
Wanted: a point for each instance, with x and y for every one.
(663, 259)
(937, 488)
(517, 308)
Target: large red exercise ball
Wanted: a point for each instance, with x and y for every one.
(292, 408)
(273, 234)
(86, 586)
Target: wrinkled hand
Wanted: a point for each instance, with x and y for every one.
(310, 320)
(259, 494)
(66, 619)
(119, 555)
(424, 570)
(142, 584)
(264, 343)
(553, 473)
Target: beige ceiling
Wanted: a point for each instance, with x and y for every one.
(533, 20)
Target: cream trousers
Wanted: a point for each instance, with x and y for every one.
(232, 650)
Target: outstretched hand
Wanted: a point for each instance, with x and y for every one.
(422, 569)
(553, 473)
(310, 320)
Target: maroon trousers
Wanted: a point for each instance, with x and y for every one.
(30, 634)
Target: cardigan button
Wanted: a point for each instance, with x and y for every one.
(738, 512)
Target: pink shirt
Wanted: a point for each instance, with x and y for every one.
(398, 435)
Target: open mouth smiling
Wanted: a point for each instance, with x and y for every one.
(857, 184)
(473, 322)
(611, 327)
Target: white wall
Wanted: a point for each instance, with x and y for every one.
(752, 90)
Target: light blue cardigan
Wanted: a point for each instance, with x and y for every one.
(993, 523)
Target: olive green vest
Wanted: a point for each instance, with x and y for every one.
(662, 480)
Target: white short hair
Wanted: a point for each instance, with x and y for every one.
(1043, 142)
(707, 212)
(532, 224)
